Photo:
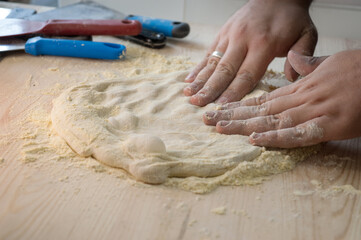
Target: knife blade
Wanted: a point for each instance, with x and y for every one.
(16, 12)
(17, 27)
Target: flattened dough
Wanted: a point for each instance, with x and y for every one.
(146, 126)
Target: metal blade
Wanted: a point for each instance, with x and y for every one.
(16, 12)
(82, 10)
(14, 27)
(4, 12)
(12, 44)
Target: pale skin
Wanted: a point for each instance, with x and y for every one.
(323, 106)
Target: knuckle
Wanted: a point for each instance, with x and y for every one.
(263, 39)
(212, 62)
(273, 121)
(285, 121)
(263, 109)
(247, 77)
(199, 81)
(242, 29)
(226, 69)
(279, 121)
(261, 99)
(231, 93)
(230, 105)
(228, 114)
(207, 89)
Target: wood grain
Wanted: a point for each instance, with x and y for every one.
(58, 201)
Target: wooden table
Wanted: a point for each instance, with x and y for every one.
(58, 201)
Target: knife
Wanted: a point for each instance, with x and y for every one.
(169, 28)
(64, 47)
(85, 9)
(17, 27)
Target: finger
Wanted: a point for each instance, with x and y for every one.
(303, 64)
(212, 117)
(308, 133)
(222, 76)
(240, 113)
(290, 73)
(266, 108)
(279, 92)
(258, 124)
(306, 46)
(248, 102)
(285, 119)
(193, 74)
(251, 71)
(205, 73)
(284, 91)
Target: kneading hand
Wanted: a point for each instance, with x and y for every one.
(250, 40)
(325, 105)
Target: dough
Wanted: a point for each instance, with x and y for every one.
(146, 126)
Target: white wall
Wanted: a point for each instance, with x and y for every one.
(335, 18)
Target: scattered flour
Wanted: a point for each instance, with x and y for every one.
(329, 191)
(222, 210)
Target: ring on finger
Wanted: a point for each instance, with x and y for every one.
(217, 54)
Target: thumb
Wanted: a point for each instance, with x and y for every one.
(303, 64)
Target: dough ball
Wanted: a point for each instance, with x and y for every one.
(144, 143)
(124, 121)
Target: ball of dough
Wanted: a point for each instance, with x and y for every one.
(144, 143)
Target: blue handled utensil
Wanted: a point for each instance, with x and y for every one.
(64, 47)
(167, 27)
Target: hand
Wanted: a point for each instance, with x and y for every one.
(250, 40)
(323, 106)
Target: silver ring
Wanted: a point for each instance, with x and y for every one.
(217, 54)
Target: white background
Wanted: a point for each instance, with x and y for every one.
(335, 18)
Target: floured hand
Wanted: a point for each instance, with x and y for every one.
(250, 40)
(323, 106)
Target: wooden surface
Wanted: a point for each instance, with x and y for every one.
(58, 201)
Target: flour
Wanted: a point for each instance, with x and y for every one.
(222, 210)
(177, 153)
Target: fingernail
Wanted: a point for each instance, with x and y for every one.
(189, 76)
(210, 115)
(224, 123)
(222, 100)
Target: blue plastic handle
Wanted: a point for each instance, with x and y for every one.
(74, 48)
(167, 27)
